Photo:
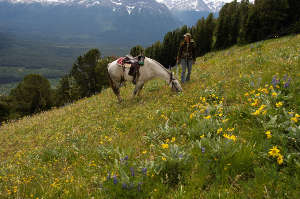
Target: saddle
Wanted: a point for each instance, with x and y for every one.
(134, 63)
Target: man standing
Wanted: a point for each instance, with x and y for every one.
(186, 56)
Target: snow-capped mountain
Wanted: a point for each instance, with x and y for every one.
(195, 5)
(134, 21)
(116, 5)
(216, 5)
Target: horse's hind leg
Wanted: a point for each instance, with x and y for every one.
(115, 88)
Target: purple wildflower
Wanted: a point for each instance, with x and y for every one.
(180, 156)
(124, 160)
(286, 85)
(132, 171)
(144, 171)
(115, 180)
(203, 149)
(275, 81)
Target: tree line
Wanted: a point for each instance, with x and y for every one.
(238, 23)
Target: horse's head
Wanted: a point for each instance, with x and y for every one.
(174, 83)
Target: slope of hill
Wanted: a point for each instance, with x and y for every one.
(233, 133)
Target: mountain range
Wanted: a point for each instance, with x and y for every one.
(105, 21)
(50, 33)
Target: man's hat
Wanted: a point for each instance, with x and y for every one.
(187, 34)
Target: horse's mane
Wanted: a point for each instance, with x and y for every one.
(160, 65)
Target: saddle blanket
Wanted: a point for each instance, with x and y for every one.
(120, 62)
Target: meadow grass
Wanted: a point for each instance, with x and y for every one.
(233, 133)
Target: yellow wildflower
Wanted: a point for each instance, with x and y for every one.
(225, 135)
(164, 146)
(167, 140)
(294, 119)
(262, 107)
(192, 115)
(202, 136)
(279, 104)
(15, 188)
(225, 120)
(246, 94)
(269, 135)
(163, 158)
(233, 137)
(230, 137)
(144, 152)
(207, 117)
(264, 90)
(274, 152)
(257, 112)
(280, 159)
(255, 103)
(173, 139)
(297, 115)
(219, 130)
(230, 130)
(274, 94)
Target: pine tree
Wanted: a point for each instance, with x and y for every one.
(4, 110)
(136, 50)
(83, 72)
(102, 73)
(32, 95)
(244, 13)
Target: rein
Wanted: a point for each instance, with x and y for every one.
(169, 72)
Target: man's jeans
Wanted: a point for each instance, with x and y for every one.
(186, 64)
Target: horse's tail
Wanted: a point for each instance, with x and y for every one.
(112, 84)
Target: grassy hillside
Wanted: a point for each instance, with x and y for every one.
(233, 133)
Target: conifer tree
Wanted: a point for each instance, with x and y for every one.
(136, 50)
(83, 72)
(32, 95)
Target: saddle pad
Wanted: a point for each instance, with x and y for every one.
(120, 62)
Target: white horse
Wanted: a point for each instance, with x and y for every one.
(151, 69)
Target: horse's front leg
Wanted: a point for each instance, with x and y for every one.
(138, 87)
